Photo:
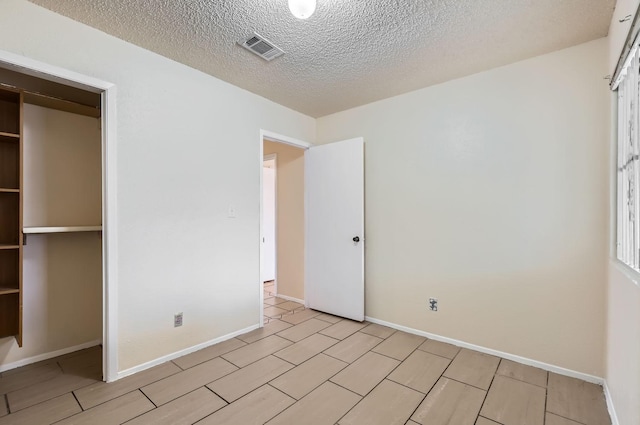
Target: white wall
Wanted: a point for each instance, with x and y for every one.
(177, 250)
(490, 193)
(623, 294)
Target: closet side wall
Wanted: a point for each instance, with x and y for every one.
(62, 273)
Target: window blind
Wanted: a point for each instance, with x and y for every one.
(628, 165)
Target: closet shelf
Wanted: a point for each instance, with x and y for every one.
(61, 229)
(10, 135)
(5, 246)
(5, 291)
(6, 190)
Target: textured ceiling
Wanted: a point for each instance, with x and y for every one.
(350, 52)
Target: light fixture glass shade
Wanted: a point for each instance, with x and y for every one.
(302, 9)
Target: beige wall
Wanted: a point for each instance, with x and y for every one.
(490, 193)
(62, 273)
(177, 249)
(623, 342)
(290, 218)
(623, 300)
(62, 168)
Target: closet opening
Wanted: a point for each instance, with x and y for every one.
(54, 250)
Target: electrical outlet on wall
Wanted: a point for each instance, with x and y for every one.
(177, 320)
(433, 304)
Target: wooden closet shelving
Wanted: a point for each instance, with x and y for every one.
(11, 213)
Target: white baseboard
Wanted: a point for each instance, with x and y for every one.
(47, 356)
(288, 298)
(610, 405)
(168, 357)
(546, 366)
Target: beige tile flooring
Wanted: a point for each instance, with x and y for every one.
(308, 368)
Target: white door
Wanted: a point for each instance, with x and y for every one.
(269, 223)
(334, 239)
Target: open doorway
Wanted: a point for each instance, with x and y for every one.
(320, 229)
(283, 221)
(269, 201)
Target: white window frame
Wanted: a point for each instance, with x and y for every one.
(628, 161)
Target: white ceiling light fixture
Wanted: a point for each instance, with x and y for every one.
(302, 9)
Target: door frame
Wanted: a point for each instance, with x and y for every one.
(28, 66)
(286, 140)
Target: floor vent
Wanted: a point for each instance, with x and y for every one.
(261, 47)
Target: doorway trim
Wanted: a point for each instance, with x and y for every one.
(278, 138)
(107, 90)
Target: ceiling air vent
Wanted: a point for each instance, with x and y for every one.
(261, 47)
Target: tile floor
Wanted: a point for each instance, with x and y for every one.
(304, 367)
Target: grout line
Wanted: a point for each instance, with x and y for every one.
(308, 336)
(486, 394)
(5, 397)
(377, 336)
(222, 398)
(73, 393)
(436, 354)
(284, 360)
(420, 392)
(519, 380)
(569, 419)
(546, 395)
(204, 361)
(354, 360)
(99, 404)
(211, 391)
(386, 378)
(143, 393)
(383, 378)
(279, 390)
(137, 416)
(484, 417)
(178, 366)
(111, 399)
(275, 377)
(326, 380)
(342, 339)
(345, 388)
(175, 398)
(263, 337)
(55, 396)
(401, 361)
(296, 324)
(287, 408)
(423, 399)
(464, 383)
(365, 396)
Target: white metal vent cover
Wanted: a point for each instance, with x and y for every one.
(261, 47)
